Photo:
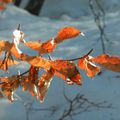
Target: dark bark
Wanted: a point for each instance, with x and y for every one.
(34, 6)
(17, 2)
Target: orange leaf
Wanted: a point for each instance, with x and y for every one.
(3, 3)
(45, 82)
(15, 52)
(89, 67)
(5, 45)
(42, 48)
(66, 33)
(27, 85)
(48, 47)
(33, 74)
(8, 62)
(37, 61)
(9, 95)
(67, 70)
(0, 53)
(34, 45)
(10, 85)
(109, 62)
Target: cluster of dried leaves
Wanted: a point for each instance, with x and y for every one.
(3, 3)
(65, 69)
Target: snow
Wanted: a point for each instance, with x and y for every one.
(104, 87)
(75, 8)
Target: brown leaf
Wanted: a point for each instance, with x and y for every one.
(33, 74)
(88, 66)
(1, 95)
(42, 48)
(9, 86)
(45, 82)
(37, 61)
(66, 33)
(27, 85)
(109, 62)
(48, 47)
(34, 45)
(9, 95)
(67, 70)
(5, 45)
(3, 3)
(8, 61)
(0, 52)
(32, 60)
(15, 52)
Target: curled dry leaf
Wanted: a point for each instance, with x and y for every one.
(88, 66)
(5, 64)
(50, 45)
(32, 60)
(15, 52)
(34, 45)
(67, 70)
(66, 33)
(9, 86)
(12, 83)
(5, 45)
(42, 48)
(109, 62)
(45, 82)
(27, 85)
(33, 74)
(37, 61)
(9, 95)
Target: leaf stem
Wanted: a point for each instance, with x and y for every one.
(81, 57)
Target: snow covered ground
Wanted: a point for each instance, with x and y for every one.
(104, 87)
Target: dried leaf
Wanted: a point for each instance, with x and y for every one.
(6, 63)
(3, 3)
(45, 82)
(37, 61)
(42, 48)
(88, 66)
(32, 60)
(27, 85)
(5, 46)
(9, 95)
(34, 45)
(15, 52)
(10, 85)
(48, 47)
(33, 74)
(67, 70)
(66, 33)
(1, 95)
(0, 52)
(109, 62)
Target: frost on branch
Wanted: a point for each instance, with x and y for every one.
(38, 85)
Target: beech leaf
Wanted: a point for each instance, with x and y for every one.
(66, 33)
(88, 66)
(67, 70)
(45, 82)
(109, 62)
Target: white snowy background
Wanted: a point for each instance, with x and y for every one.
(76, 13)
